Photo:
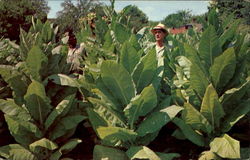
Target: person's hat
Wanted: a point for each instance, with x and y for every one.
(159, 27)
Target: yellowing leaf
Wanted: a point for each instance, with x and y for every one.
(226, 147)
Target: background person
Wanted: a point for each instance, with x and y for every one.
(75, 53)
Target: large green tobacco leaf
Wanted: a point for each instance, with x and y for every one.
(213, 20)
(223, 68)
(109, 115)
(108, 42)
(193, 56)
(118, 81)
(64, 80)
(16, 152)
(226, 147)
(141, 152)
(103, 152)
(209, 47)
(211, 107)
(145, 140)
(153, 123)
(101, 28)
(48, 32)
(23, 131)
(95, 119)
(36, 62)
(236, 114)
(193, 117)
(198, 80)
(157, 120)
(233, 96)
(61, 110)
(116, 136)
(37, 103)
(106, 95)
(168, 156)
(145, 71)
(229, 34)
(67, 147)
(9, 107)
(185, 64)
(134, 41)
(121, 33)
(141, 105)
(15, 81)
(129, 57)
(66, 124)
(189, 133)
(44, 143)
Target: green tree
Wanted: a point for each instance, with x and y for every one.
(18, 13)
(69, 16)
(239, 8)
(135, 17)
(178, 19)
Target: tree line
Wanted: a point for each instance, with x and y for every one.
(16, 14)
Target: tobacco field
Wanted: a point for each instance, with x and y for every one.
(122, 105)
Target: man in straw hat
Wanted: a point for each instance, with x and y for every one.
(165, 70)
(159, 32)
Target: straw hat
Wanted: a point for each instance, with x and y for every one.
(159, 26)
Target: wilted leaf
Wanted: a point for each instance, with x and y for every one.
(207, 155)
(226, 147)
(16, 152)
(141, 152)
(44, 143)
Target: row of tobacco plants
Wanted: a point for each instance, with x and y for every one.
(124, 93)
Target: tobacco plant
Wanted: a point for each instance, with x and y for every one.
(41, 115)
(212, 85)
(126, 113)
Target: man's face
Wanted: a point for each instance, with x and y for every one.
(159, 35)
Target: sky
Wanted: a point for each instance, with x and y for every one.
(155, 10)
